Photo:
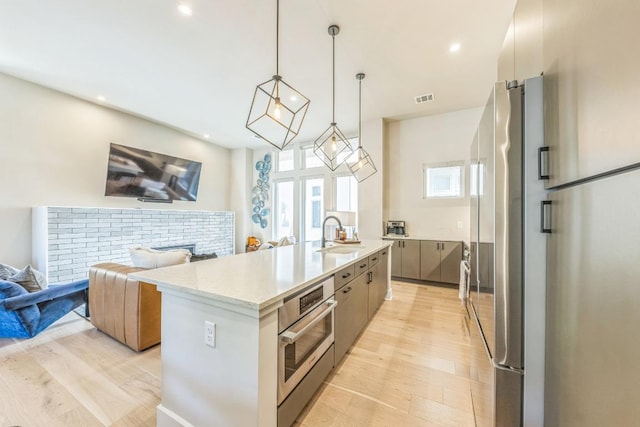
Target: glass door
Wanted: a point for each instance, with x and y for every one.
(283, 209)
(313, 208)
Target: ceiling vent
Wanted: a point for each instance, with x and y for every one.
(424, 98)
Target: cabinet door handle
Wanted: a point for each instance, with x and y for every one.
(442, 246)
(346, 291)
(370, 277)
(545, 220)
(374, 259)
(438, 246)
(363, 265)
(543, 163)
(384, 253)
(344, 276)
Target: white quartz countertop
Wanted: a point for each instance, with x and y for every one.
(257, 280)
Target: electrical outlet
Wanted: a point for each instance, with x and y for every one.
(210, 333)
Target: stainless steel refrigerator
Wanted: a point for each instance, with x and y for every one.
(508, 256)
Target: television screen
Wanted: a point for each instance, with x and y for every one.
(133, 172)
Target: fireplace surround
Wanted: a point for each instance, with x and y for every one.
(69, 240)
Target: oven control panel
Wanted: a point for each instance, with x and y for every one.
(308, 301)
(303, 301)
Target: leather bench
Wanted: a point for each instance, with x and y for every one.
(125, 309)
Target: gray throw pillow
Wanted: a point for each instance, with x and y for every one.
(7, 271)
(151, 258)
(30, 279)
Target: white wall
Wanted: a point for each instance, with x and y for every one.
(54, 150)
(370, 191)
(242, 182)
(409, 145)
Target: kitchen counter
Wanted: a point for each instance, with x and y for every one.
(257, 280)
(231, 378)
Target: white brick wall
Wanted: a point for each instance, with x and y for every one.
(77, 238)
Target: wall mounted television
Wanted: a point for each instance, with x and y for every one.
(150, 176)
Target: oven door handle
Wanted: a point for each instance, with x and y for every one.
(291, 336)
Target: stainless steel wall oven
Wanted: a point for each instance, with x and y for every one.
(305, 333)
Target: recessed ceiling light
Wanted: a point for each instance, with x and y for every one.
(185, 9)
(293, 98)
(454, 47)
(206, 135)
(101, 98)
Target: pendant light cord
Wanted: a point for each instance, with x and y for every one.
(333, 37)
(277, 37)
(360, 113)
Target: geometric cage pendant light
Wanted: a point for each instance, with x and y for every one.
(332, 146)
(360, 163)
(277, 109)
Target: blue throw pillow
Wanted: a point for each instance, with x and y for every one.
(10, 289)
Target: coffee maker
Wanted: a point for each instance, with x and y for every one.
(396, 228)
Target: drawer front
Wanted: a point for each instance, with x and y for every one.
(362, 266)
(373, 259)
(344, 276)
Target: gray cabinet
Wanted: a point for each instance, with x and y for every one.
(358, 298)
(344, 276)
(592, 315)
(405, 259)
(430, 260)
(377, 281)
(440, 261)
(351, 313)
(583, 64)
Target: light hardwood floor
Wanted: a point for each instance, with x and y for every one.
(410, 367)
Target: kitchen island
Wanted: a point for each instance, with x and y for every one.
(230, 378)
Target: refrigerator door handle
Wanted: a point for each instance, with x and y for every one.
(545, 220)
(506, 343)
(543, 163)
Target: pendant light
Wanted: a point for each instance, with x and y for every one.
(360, 163)
(332, 146)
(277, 109)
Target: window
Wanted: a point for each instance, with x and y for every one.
(310, 160)
(316, 213)
(313, 204)
(346, 191)
(285, 160)
(444, 180)
(304, 189)
(283, 209)
(476, 180)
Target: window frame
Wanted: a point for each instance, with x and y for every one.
(299, 175)
(426, 167)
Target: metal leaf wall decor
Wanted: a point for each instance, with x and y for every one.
(261, 192)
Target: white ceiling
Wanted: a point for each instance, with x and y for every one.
(198, 73)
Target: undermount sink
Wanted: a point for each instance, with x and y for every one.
(341, 249)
